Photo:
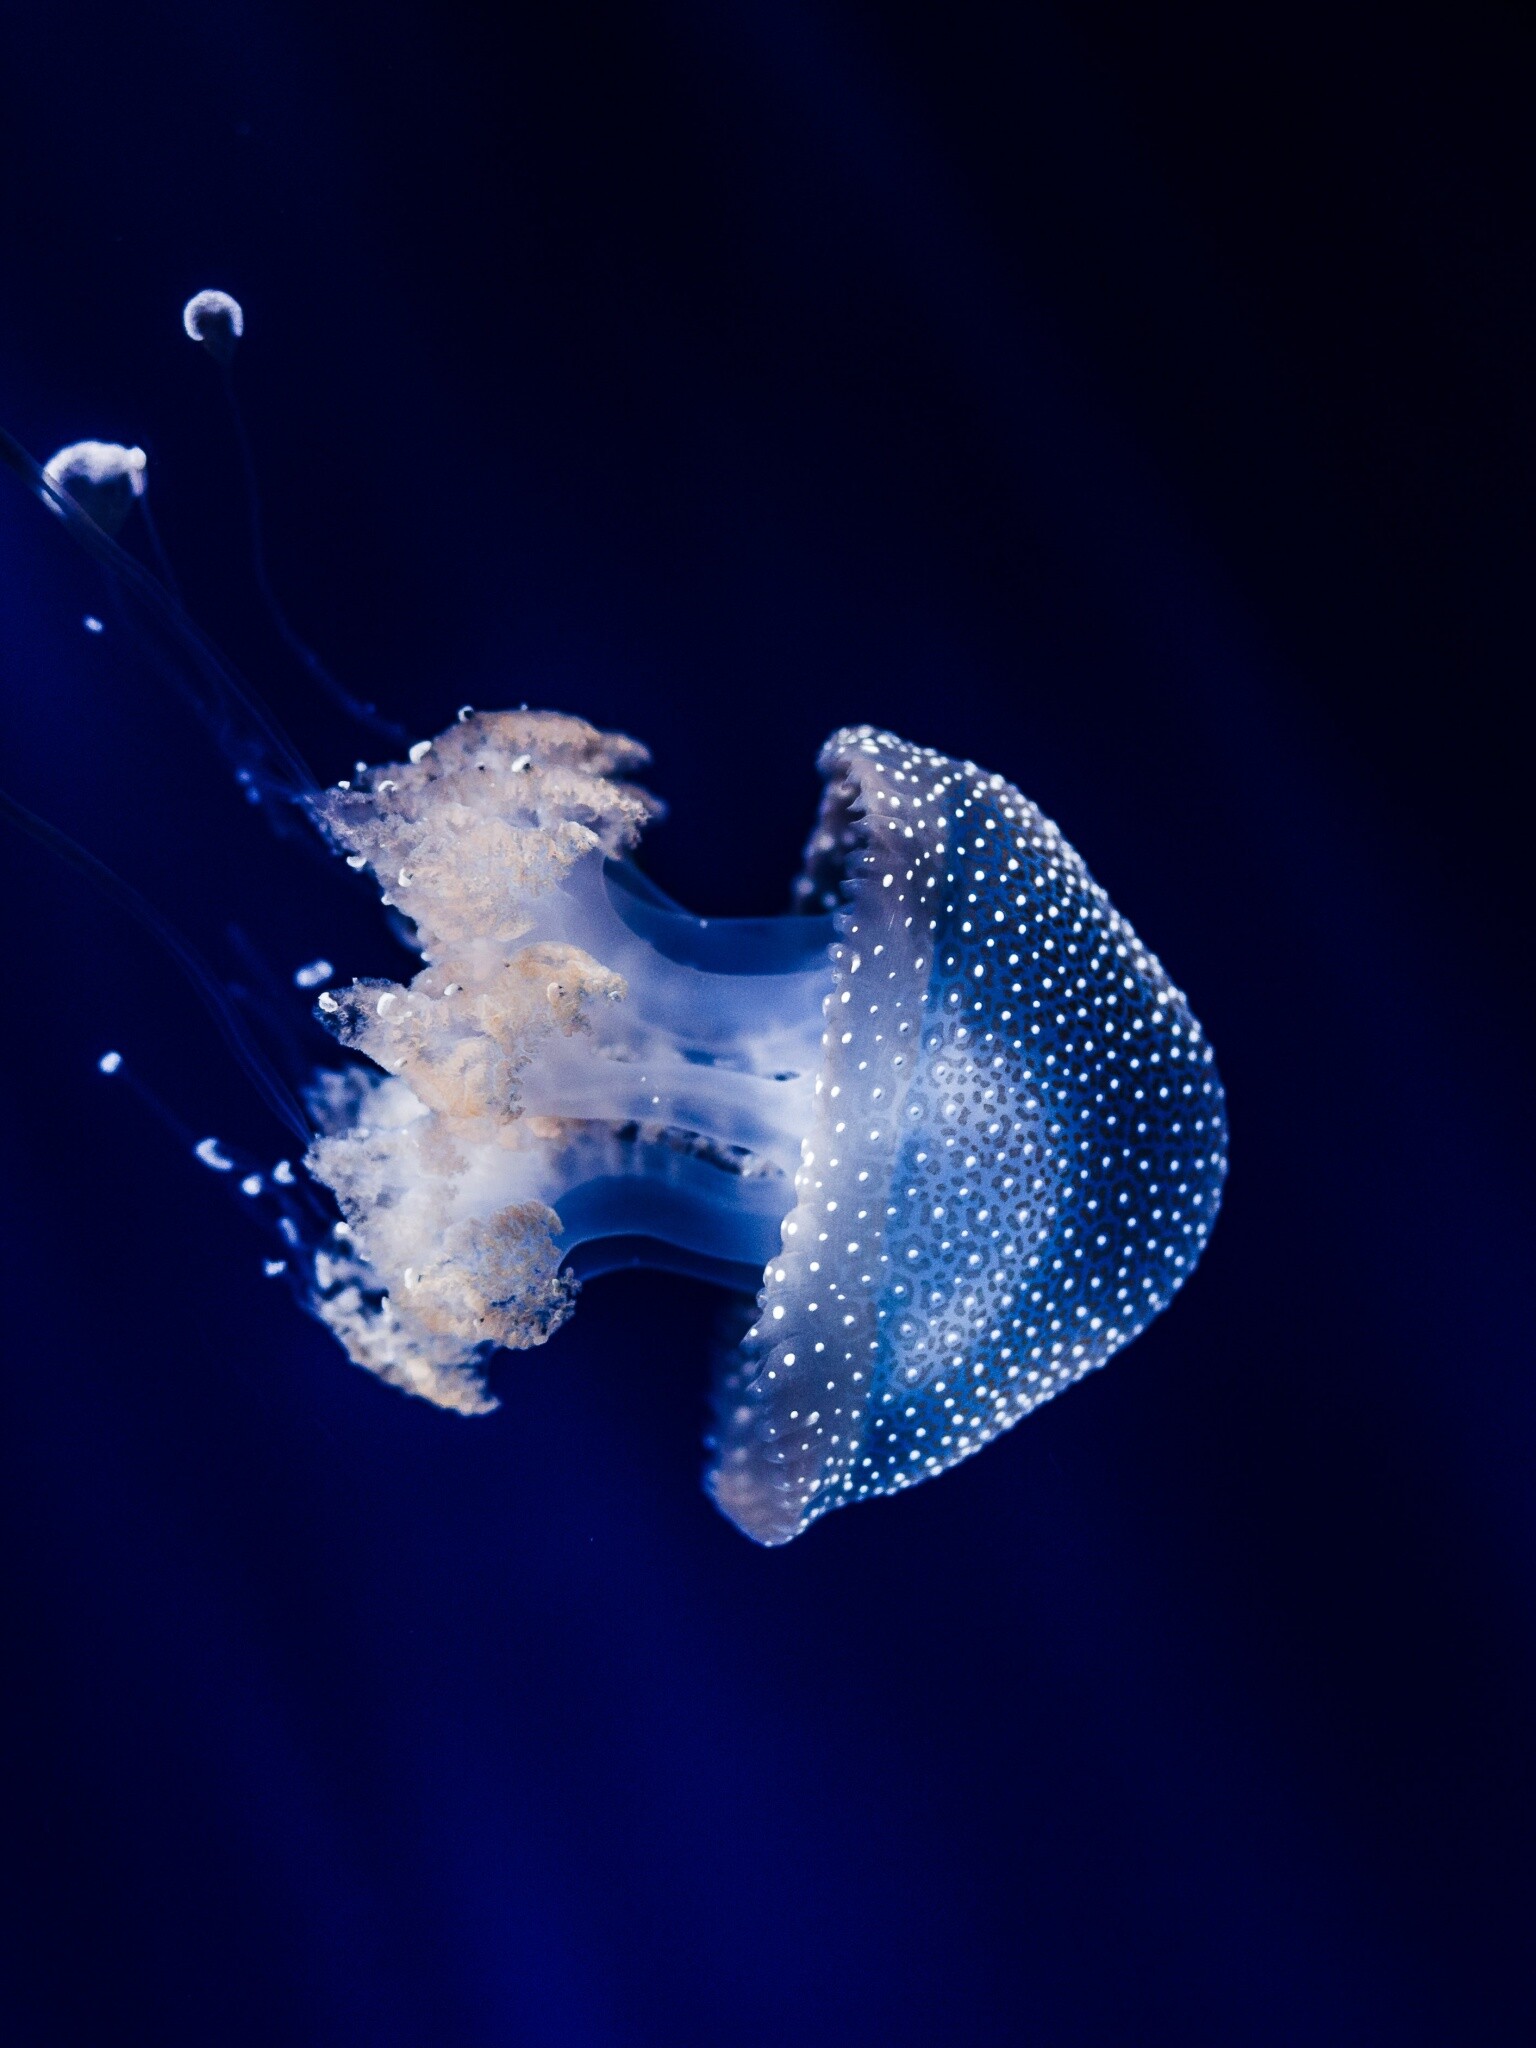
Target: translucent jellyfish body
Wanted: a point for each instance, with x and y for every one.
(103, 477)
(952, 1111)
(217, 321)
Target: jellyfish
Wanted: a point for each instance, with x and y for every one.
(949, 1114)
(217, 320)
(946, 1124)
(105, 479)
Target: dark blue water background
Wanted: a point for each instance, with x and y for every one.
(1141, 406)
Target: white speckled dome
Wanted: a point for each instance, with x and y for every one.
(1016, 1156)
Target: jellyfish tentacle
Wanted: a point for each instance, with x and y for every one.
(244, 729)
(158, 549)
(259, 1069)
(216, 320)
(354, 707)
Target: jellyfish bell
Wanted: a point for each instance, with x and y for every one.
(1016, 1158)
(103, 478)
(951, 1117)
(217, 321)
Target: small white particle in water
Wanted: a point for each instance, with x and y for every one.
(420, 751)
(312, 975)
(92, 624)
(251, 1185)
(110, 1062)
(207, 1149)
(282, 1173)
(272, 1267)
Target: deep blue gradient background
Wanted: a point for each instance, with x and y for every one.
(1139, 405)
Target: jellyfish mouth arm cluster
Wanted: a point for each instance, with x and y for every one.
(952, 1113)
(577, 1061)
